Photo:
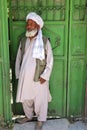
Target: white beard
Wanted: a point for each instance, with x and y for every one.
(31, 33)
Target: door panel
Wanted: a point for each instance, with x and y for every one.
(59, 69)
(57, 35)
(78, 42)
(77, 84)
(77, 58)
(58, 89)
(55, 17)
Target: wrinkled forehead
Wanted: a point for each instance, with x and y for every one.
(30, 21)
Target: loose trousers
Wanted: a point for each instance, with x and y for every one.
(39, 105)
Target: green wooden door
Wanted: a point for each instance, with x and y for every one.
(59, 25)
(5, 108)
(77, 57)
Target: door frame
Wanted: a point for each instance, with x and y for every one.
(5, 66)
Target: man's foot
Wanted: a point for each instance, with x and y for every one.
(23, 120)
(39, 125)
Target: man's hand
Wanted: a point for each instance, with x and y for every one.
(42, 80)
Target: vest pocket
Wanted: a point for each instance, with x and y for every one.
(40, 66)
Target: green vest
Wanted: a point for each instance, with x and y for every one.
(40, 65)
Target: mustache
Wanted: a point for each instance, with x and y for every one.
(29, 30)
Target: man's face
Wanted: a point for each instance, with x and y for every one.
(31, 25)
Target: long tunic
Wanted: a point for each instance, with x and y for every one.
(27, 87)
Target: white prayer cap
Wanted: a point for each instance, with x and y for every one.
(35, 17)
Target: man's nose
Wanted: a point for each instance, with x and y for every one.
(28, 27)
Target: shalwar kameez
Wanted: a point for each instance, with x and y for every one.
(34, 96)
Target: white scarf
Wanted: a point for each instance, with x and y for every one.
(38, 50)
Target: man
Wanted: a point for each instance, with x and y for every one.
(33, 85)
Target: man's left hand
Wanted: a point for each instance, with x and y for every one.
(42, 80)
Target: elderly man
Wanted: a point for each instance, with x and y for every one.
(34, 63)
